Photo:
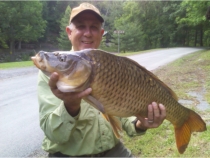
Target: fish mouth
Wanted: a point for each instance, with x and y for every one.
(39, 63)
(36, 60)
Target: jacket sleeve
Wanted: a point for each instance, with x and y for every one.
(129, 126)
(55, 121)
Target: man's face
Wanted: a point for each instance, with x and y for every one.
(86, 31)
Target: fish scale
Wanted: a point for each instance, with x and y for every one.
(119, 83)
(120, 87)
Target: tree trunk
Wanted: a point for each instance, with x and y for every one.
(188, 37)
(12, 41)
(196, 34)
(11, 47)
(201, 36)
(19, 45)
(184, 38)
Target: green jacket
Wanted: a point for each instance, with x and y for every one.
(87, 133)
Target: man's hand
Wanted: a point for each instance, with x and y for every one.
(71, 100)
(156, 115)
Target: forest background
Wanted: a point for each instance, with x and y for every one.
(29, 26)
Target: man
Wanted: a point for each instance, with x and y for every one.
(75, 129)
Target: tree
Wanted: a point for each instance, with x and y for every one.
(21, 21)
(53, 12)
(196, 21)
(2, 41)
(151, 24)
(63, 41)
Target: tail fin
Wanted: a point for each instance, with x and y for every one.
(115, 123)
(194, 123)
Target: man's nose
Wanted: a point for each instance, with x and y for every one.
(87, 32)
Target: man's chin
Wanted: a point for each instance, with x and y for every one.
(88, 47)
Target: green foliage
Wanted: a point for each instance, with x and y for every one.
(195, 12)
(2, 40)
(147, 24)
(63, 40)
(196, 25)
(53, 11)
(21, 21)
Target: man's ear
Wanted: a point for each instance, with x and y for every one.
(68, 31)
(102, 32)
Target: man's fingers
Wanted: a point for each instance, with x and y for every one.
(162, 110)
(156, 110)
(150, 112)
(156, 115)
(53, 80)
(84, 93)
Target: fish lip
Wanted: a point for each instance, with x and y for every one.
(36, 59)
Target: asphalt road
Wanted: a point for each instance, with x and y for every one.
(20, 134)
(158, 58)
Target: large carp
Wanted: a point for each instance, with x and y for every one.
(120, 87)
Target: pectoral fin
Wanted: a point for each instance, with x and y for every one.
(95, 103)
(115, 123)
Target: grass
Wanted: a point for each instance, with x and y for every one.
(190, 73)
(16, 64)
(160, 142)
(30, 63)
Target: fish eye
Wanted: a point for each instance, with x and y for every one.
(62, 58)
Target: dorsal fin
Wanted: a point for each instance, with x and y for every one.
(169, 90)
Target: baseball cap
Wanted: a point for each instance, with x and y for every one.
(85, 7)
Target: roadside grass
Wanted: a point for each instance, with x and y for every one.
(30, 63)
(16, 64)
(160, 142)
(188, 74)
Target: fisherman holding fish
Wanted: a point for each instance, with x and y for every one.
(75, 129)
